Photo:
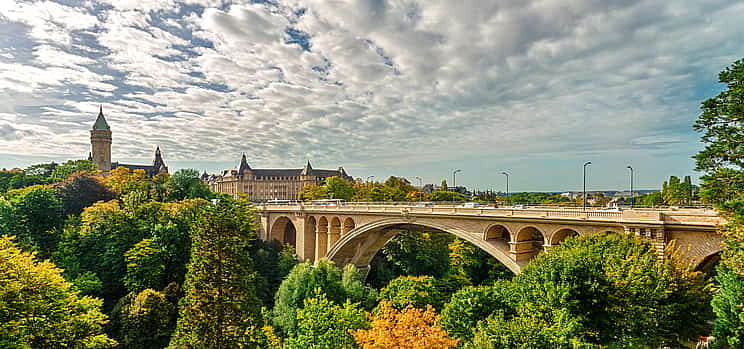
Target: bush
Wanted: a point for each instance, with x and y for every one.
(471, 305)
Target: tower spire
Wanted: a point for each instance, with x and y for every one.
(243, 164)
(101, 123)
(307, 169)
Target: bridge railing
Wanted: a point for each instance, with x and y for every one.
(483, 205)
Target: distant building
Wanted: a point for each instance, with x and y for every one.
(571, 195)
(269, 184)
(100, 141)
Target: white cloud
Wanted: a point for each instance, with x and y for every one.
(396, 85)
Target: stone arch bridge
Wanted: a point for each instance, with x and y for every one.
(354, 233)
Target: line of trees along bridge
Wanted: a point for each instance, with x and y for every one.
(353, 233)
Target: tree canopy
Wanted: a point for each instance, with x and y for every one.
(39, 309)
(609, 290)
(722, 126)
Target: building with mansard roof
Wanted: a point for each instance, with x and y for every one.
(100, 141)
(268, 184)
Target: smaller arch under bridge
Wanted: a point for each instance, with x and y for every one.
(354, 233)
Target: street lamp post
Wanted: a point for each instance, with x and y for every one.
(366, 192)
(507, 186)
(632, 199)
(584, 198)
(421, 184)
(454, 185)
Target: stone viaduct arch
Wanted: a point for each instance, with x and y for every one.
(346, 235)
(360, 245)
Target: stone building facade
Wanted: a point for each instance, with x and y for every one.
(268, 184)
(100, 141)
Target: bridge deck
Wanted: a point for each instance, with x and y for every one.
(697, 217)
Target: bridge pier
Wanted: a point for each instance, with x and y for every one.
(321, 239)
(656, 235)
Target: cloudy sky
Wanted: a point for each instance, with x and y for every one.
(408, 88)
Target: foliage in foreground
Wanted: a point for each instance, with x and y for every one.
(146, 319)
(302, 283)
(39, 309)
(220, 308)
(722, 126)
(472, 304)
(597, 290)
(324, 324)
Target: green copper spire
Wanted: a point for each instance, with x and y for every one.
(101, 123)
(307, 169)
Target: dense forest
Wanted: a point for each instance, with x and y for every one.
(127, 261)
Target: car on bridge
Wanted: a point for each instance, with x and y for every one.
(470, 205)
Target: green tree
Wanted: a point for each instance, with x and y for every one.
(272, 262)
(220, 308)
(144, 320)
(322, 324)
(445, 196)
(531, 331)
(474, 264)
(160, 186)
(470, 305)
(145, 266)
(649, 199)
(603, 290)
(22, 180)
(42, 170)
(353, 284)
(397, 189)
(186, 184)
(415, 253)
(98, 245)
(61, 172)
(672, 191)
(728, 304)
(301, 283)
(172, 245)
(339, 188)
(720, 123)
(688, 190)
(39, 309)
(722, 126)
(33, 214)
(313, 192)
(416, 291)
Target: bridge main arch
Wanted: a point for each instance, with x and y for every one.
(360, 244)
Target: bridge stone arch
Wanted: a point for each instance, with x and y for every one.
(349, 225)
(284, 230)
(528, 242)
(334, 232)
(560, 234)
(360, 245)
(497, 231)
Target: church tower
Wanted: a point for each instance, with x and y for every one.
(100, 141)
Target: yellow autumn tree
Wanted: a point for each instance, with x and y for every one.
(409, 328)
(122, 182)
